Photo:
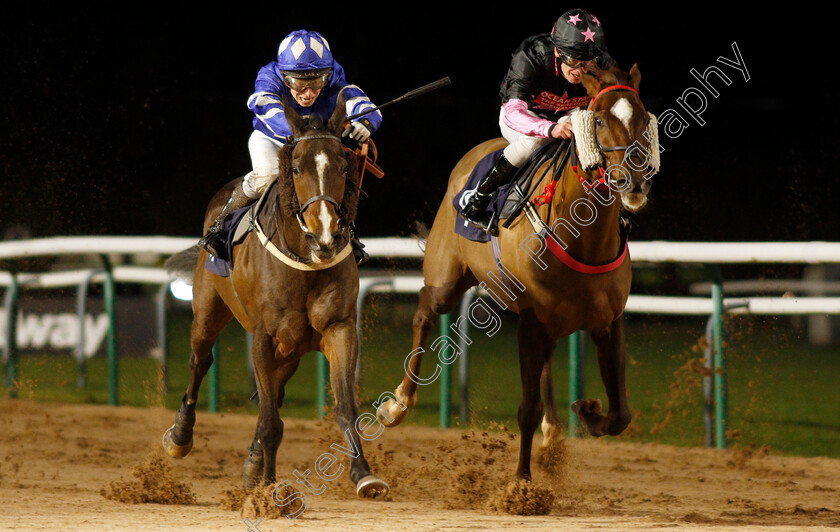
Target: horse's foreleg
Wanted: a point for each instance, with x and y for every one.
(611, 362)
(211, 316)
(340, 345)
(434, 301)
(270, 376)
(535, 346)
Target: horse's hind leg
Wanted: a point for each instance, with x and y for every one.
(551, 425)
(254, 470)
(434, 301)
(210, 317)
(271, 376)
(611, 362)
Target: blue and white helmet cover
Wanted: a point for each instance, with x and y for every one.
(304, 50)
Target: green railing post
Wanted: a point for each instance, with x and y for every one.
(110, 296)
(323, 382)
(213, 388)
(11, 306)
(719, 361)
(575, 380)
(445, 378)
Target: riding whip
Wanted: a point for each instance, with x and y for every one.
(412, 94)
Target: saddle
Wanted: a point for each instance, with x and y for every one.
(239, 223)
(509, 200)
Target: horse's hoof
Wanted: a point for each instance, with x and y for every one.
(371, 487)
(252, 472)
(173, 449)
(390, 413)
(589, 411)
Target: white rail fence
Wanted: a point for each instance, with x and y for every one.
(712, 254)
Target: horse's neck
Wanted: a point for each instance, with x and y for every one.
(586, 221)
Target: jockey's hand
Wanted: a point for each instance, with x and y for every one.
(359, 131)
(562, 130)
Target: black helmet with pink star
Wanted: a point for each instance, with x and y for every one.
(578, 34)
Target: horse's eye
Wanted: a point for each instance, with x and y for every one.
(295, 171)
(599, 122)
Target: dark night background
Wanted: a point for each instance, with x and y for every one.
(127, 124)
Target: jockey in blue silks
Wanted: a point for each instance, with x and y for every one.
(308, 76)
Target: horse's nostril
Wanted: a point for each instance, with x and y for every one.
(312, 241)
(620, 184)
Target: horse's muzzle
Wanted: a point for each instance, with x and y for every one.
(324, 249)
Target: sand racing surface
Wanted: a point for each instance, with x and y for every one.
(83, 467)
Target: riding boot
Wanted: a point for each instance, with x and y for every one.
(358, 248)
(213, 240)
(475, 211)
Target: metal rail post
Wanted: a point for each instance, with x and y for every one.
(10, 352)
(110, 296)
(464, 362)
(719, 362)
(575, 377)
(323, 370)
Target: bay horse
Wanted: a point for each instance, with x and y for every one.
(586, 289)
(293, 285)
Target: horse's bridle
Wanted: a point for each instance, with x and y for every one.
(320, 197)
(611, 88)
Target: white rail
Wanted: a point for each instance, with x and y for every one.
(400, 247)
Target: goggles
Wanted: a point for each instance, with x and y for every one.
(311, 79)
(575, 63)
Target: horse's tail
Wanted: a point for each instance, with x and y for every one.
(421, 234)
(182, 264)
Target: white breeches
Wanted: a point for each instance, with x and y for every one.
(521, 146)
(264, 151)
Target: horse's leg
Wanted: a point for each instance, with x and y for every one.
(434, 301)
(535, 347)
(340, 345)
(211, 314)
(271, 377)
(611, 361)
(551, 425)
(269, 374)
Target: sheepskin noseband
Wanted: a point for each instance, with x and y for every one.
(583, 124)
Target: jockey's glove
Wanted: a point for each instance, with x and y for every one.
(359, 131)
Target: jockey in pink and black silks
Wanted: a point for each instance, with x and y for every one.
(541, 88)
(307, 76)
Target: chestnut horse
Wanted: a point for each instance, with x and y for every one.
(293, 285)
(586, 289)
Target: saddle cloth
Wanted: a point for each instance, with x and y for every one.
(504, 203)
(234, 228)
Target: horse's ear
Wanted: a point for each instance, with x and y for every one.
(292, 117)
(336, 122)
(635, 76)
(591, 83)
